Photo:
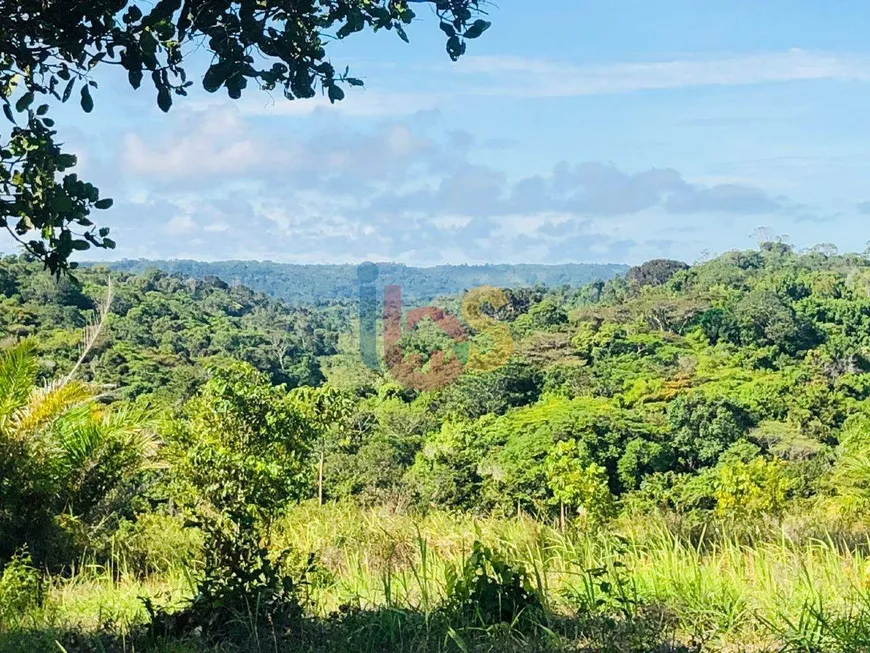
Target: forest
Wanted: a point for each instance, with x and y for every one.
(322, 284)
(673, 459)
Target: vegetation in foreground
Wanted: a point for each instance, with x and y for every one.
(387, 582)
(674, 460)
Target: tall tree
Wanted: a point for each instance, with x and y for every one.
(50, 49)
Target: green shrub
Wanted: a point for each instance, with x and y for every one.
(487, 590)
(156, 543)
(20, 589)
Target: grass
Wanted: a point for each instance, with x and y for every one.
(380, 579)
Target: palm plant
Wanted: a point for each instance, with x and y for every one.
(61, 451)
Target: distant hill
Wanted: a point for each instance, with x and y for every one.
(322, 283)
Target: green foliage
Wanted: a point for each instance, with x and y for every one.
(488, 590)
(700, 413)
(703, 428)
(240, 453)
(322, 284)
(752, 489)
(162, 330)
(656, 272)
(20, 588)
(67, 465)
(241, 445)
(547, 314)
(578, 483)
(472, 395)
(446, 472)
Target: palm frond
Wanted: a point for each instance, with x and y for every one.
(18, 371)
(48, 404)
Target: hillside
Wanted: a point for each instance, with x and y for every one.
(323, 283)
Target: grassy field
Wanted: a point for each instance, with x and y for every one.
(379, 581)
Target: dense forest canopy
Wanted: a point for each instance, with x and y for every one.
(160, 329)
(664, 379)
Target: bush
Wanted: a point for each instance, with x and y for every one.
(487, 590)
(20, 588)
(156, 543)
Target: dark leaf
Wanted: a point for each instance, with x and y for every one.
(335, 94)
(164, 99)
(135, 77)
(133, 14)
(477, 28)
(214, 77)
(67, 91)
(87, 101)
(23, 102)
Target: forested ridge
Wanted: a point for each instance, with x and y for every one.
(659, 447)
(313, 284)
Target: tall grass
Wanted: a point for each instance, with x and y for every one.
(720, 593)
(380, 578)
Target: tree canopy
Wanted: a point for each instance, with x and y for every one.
(49, 52)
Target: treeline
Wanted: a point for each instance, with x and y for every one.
(320, 284)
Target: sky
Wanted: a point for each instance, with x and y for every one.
(572, 131)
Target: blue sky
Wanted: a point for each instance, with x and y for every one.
(573, 131)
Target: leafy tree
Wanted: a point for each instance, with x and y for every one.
(640, 458)
(446, 472)
(704, 427)
(762, 318)
(578, 483)
(751, 489)
(548, 314)
(656, 272)
(327, 411)
(385, 436)
(240, 457)
(472, 395)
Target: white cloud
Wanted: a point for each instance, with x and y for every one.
(521, 77)
(180, 225)
(359, 103)
(208, 143)
(400, 192)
